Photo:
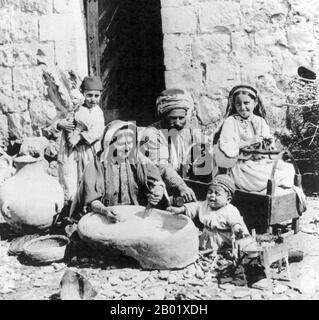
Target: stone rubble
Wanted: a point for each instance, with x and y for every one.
(20, 281)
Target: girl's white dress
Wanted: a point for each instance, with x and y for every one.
(249, 175)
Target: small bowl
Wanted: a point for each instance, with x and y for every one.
(46, 249)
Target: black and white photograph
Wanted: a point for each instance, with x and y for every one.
(159, 150)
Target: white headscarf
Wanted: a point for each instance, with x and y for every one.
(110, 133)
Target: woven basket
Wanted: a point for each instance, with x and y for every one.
(46, 249)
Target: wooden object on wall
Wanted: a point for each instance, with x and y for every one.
(92, 15)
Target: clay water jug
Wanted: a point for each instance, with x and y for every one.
(30, 200)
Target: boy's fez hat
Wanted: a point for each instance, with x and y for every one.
(92, 83)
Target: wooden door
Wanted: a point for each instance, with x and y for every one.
(128, 55)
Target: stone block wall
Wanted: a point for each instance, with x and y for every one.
(212, 45)
(36, 36)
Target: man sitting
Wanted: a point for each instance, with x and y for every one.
(169, 141)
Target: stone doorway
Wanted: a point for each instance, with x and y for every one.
(128, 55)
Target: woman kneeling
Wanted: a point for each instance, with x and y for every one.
(119, 175)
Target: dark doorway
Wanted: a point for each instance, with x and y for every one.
(131, 58)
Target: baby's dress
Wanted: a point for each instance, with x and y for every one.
(218, 224)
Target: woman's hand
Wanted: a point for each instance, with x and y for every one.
(187, 193)
(156, 194)
(66, 124)
(112, 215)
(269, 141)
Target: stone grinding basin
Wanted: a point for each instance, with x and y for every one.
(159, 241)
(46, 249)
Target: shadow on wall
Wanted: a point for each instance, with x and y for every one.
(132, 58)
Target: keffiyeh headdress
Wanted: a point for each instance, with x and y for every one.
(173, 99)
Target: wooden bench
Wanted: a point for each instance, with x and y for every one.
(267, 212)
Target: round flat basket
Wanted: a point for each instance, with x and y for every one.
(46, 249)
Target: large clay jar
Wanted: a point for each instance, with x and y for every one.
(158, 241)
(30, 199)
(6, 167)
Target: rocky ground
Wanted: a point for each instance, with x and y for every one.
(122, 280)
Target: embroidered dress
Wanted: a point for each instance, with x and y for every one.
(115, 184)
(117, 181)
(118, 184)
(250, 175)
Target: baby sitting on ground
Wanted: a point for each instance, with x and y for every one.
(221, 220)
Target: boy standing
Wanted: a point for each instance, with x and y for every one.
(81, 135)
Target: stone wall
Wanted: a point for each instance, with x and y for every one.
(210, 46)
(36, 36)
